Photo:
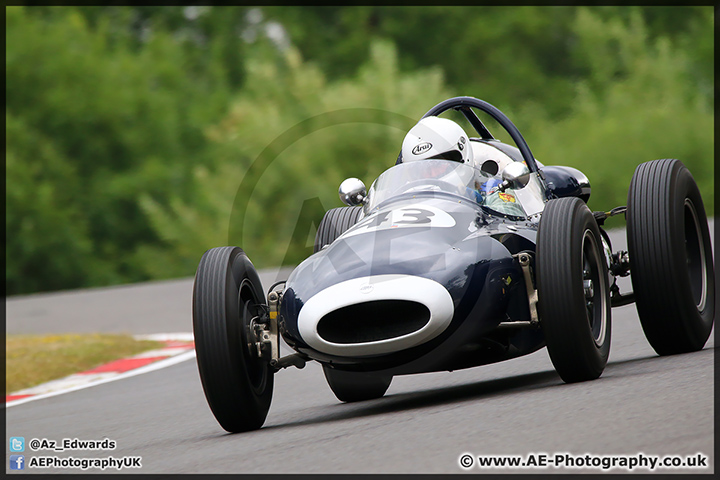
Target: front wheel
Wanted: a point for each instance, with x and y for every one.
(670, 257)
(227, 296)
(573, 290)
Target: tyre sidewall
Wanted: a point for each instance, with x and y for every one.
(668, 313)
(597, 355)
(699, 323)
(221, 356)
(244, 274)
(568, 334)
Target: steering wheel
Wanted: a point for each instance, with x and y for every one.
(464, 104)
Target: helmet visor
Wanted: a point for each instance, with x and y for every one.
(453, 155)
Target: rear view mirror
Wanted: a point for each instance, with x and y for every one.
(352, 192)
(515, 175)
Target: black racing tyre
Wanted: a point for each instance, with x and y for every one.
(670, 253)
(356, 386)
(573, 290)
(334, 223)
(227, 294)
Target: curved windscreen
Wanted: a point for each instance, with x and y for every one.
(436, 176)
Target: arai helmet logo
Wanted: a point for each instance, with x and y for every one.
(421, 148)
(366, 288)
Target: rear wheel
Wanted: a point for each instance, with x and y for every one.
(227, 296)
(335, 222)
(356, 386)
(573, 291)
(670, 257)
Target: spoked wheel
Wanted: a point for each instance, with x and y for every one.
(670, 257)
(573, 291)
(227, 297)
(356, 386)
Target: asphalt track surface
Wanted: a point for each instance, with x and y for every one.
(642, 403)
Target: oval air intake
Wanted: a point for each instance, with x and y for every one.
(373, 321)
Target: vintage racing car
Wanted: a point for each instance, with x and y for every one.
(425, 272)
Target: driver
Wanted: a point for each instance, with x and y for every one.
(440, 138)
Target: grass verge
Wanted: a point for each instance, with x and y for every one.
(35, 359)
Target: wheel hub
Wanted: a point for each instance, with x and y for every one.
(594, 300)
(589, 289)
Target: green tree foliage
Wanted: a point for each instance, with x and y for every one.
(138, 137)
(640, 101)
(48, 244)
(510, 54)
(357, 132)
(110, 122)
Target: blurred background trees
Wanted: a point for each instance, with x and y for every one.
(129, 130)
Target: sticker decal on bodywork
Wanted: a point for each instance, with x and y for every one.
(506, 197)
(406, 217)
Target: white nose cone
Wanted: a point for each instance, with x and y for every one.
(375, 315)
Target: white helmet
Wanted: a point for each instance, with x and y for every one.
(436, 138)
